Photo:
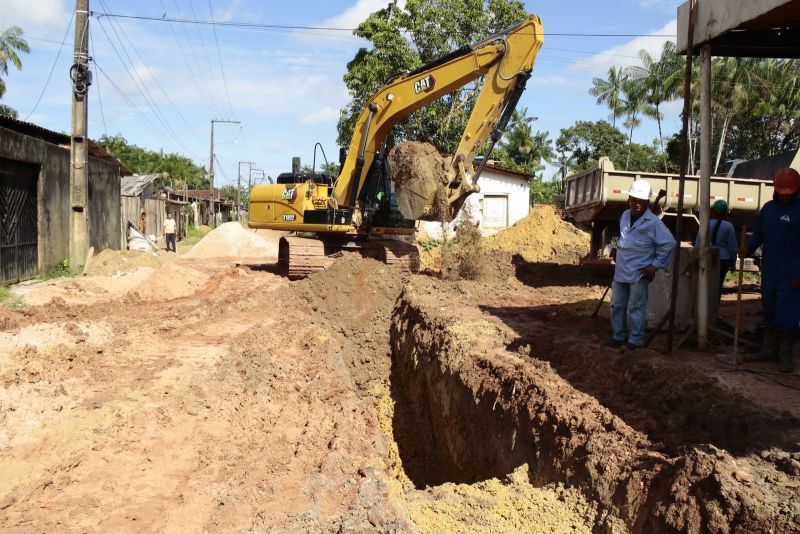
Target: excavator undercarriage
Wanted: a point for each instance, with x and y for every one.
(300, 256)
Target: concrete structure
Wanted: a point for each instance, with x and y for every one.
(658, 301)
(35, 205)
(766, 29)
(743, 29)
(503, 200)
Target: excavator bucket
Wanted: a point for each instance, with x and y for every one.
(423, 185)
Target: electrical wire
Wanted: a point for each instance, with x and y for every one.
(212, 103)
(221, 67)
(329, 28)
(99, 97)
(142, 88)
(154, 78)
(157, 133)
(203, 47)
(53, 68)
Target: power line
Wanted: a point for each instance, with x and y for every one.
(202, 42)
(212, 104)
(329, 28)
(221, 67)
(53, 68)
(141, 86)
(144, 118)
(99, 98)
(155, 78)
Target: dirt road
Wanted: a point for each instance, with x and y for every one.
(364, 400)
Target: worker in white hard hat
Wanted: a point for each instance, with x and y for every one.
(645, 246)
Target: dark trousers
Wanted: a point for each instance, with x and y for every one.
(724, 267)
(171, 242)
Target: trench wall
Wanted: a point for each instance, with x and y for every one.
(468, 409)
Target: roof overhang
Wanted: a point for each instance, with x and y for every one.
(763, 28)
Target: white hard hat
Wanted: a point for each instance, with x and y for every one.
(640, 189)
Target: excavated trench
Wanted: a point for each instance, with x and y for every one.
(473, 400)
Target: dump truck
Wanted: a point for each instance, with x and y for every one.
(366, 205)
(597, 196)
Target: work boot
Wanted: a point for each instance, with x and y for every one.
(786, 351)
(769, 348)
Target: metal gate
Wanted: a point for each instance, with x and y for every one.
(18, 221)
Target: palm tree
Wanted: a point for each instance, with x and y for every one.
(660, 80)
(611, 91)
(636, 105)
(11, 42)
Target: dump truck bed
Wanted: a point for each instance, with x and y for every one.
(599, 194)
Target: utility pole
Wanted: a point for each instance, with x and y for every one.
(239, 189)
(79, 150)
(212, 200)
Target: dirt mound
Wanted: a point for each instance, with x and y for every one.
(232, 240)
(111, 262)
(8, 319)
(172, 281)
(542, 236)
(418, 170)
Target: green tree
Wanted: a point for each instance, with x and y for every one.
(610, 91)
(405, 39)
(587, 141)
(178, 171)
(522, 149)
(11, 42)
(659, 82)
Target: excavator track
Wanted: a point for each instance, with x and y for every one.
(400, 254)
(302, 256)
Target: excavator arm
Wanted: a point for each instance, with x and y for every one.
(504, 60)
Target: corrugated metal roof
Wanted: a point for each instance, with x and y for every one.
(60, 139)
(133, 185)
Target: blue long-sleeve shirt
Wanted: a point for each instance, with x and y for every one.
(645, 242)
(725, 241)
(777, 231)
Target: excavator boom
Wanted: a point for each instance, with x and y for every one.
(504, 60)
(368, 204)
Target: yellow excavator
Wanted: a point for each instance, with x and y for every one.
(367, 208)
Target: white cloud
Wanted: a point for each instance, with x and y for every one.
(626, 54)
(46, 15)
(275, 146)
(326, 114)
(349, 19)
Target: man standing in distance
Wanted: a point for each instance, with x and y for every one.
(645, 246)
(777, 232)
(169, 232)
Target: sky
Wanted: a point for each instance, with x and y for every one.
(159, 84)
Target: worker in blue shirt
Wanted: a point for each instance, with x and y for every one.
(777, 232)
(722, 236)
(645, 246)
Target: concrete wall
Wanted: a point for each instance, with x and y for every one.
(494, 183)
(53, 196)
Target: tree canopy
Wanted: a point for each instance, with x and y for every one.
(405, 39)
(177, 171)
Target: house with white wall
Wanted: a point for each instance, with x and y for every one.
(504, 199)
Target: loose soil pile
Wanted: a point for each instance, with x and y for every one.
(111, 262)
(172, 281)
(542, 236)
(231, 240)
